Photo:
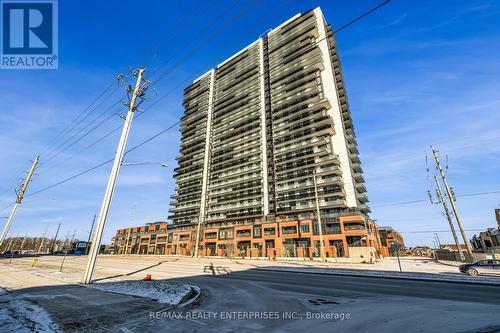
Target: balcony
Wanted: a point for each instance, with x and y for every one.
(362, 197)
(269, 231)
(360, 187)
(212, 235)
(356, 167)
(243, 233)
(353, 149)
(358, 177)
(354, 226)
(289, 230)
(327, 229)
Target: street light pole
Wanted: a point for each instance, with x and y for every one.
(164, 165)
(108, 195)
(437, 242)
(318, 218)
(437, 237)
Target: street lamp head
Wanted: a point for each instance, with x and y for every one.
(163, 165)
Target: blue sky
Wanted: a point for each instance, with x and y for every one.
(417, 73)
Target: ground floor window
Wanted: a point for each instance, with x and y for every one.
(354, 241)
(338, 244)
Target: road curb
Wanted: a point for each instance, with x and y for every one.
(382, 277)
(443, 263)
(192, 299)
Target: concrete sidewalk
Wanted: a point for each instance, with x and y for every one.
(74, 308)
(458, 278)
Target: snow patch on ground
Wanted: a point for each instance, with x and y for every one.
(23, 316)
(161, 291)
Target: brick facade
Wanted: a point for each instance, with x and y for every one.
(272, 239)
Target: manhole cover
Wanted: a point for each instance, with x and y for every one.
(319, 301)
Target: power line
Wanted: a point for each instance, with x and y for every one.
(399, 203)
(104, 162)
(162, 38)
(149, 107)
(153, 47)
(89, 146)
(175, 124)
(109, 117)
(71, 178)
(53, 140)
(480, 193)
(140, 144)
(201, 45)
(402, 203)
(215, 20)
(311, 46)
(102, 122)
(56, 152)
(432, 231)
(17, 175)
(362, 16)
(76, 122)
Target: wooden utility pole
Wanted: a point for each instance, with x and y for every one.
(20, 196)
(35, 258)
(53, 243)
(22, 244)
(318, 218)
(448, 217)
(66, 250)
(12, 251)
(90, 235)
(452, 203)
(10, 243)
(138, 92)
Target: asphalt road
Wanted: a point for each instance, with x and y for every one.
(372, 304)
(335, 284)
(239, 297)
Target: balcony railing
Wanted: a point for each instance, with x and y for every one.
(211, 236)
(244, 234)
(354, 227)
(289, 230)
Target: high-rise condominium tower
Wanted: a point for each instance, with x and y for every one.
(262, 125)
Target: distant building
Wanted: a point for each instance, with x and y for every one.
(78, 247)
(488, 240)
(389, 236)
